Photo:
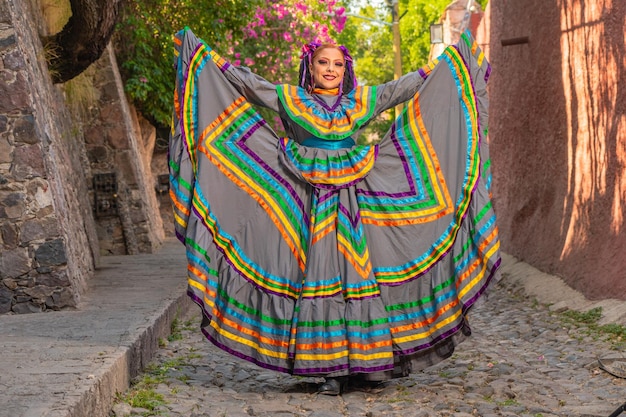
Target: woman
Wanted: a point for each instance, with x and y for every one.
(312, 255)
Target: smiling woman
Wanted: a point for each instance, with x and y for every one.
(312, 255)
(327, 67)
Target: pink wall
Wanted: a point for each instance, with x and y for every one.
(558, 137)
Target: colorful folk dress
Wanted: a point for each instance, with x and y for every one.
(314, 256)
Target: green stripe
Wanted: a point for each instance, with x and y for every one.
(240, 266)
(482, 213)
(251, 311)
(358, 246)
(426, 300)
(369, 102)
(252, 174)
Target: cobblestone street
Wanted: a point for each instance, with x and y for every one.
(520, 361)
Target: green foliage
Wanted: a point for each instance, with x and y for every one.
(269, 39)
(589, 317)
(143, 392)
(371, 43)
(145, 50)
(587, 322)
(268, 34)
(146, 398)
(415, 30)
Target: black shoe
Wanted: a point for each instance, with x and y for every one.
(332, 386)
(359, 382)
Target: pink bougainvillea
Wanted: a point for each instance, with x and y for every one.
(290, 24)
(274, 36)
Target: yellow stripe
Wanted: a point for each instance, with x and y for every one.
(364, 264)
(247, 342)
(341, 180)
(327, 126)
(233, 255)
(371, 356)
(321, 356)
(180, 220)
(211, 152)
(328, 221)
(480, 58)
(430, 331)
(284, 223)
(480, 276)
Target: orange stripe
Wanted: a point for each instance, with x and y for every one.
(178, 205)
(248, 332)
(292, 245)
(364, 272)
(402, 222)
(426, 322)
(345, 171)
(322, 345)
(371, 346)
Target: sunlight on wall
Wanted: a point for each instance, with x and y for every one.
(596, 158)
(56, 13)
(619, 197)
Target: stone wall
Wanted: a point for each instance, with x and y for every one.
(558, 137)
(47, 235)
(73, 185)
(120, 147)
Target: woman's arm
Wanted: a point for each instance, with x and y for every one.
(256, 89)
(398, 91)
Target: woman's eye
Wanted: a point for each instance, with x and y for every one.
(339, 64)
(322, 62)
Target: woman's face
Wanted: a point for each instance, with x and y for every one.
(328, 67)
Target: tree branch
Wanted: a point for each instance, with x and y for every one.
(83, 39)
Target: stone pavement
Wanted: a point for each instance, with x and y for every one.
(72, 363)
(520, 360)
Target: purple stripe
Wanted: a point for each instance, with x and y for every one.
(335, 186)
(320, 371)
(200, 303)
(224, 67)
(481, 291)
(407, 172)
(180, 236)
(183, 132)
(341, 292)
(327, 194)
(364, 370)
(356, 221)
(431, 344)
(243, 356)
(326, 106)
(270, 170)
(235, 268)
(456, 329)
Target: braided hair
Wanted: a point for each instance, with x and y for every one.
(305, 78)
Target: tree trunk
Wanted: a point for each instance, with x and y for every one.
(83, 39)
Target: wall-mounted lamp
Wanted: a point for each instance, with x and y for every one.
(436, 33)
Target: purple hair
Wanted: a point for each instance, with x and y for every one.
(305, 78)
